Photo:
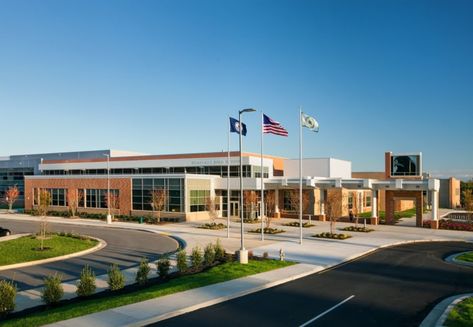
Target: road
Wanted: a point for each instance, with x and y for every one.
(395, 286)
(124, 247)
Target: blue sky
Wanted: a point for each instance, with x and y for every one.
(163, 77)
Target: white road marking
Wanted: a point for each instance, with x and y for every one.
(327, 311)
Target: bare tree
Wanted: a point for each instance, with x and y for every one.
(270, 202)
(11, 195)
(334, 206)
(74, 197)
(113, 202)
(159, 199)
(250, 198)
(295, 203)
(355, 208)
(43, 206)
(211, 204)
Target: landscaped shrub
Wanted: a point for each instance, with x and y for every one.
(209, 254)
(213, 226)
(164, 265)
(52, 291)
(181, 259)
(7, 297)
(267, 230)
(196, 257)
(86, 285)
(451, 225)
(116, 279)
(143, 271)
(219, 251)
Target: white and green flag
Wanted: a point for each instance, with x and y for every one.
(309, 122)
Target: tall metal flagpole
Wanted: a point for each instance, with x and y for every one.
(262, 182)
(300, 175)
(228, 182)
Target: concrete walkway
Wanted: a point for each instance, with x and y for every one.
(314, 255)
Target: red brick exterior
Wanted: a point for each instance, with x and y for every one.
(123, 185)
(390, 204)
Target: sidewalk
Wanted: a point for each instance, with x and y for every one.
(314, 255)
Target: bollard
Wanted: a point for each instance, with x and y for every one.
(281, 255)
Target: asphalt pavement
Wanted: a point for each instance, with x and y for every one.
(125, 247)
(395, 286)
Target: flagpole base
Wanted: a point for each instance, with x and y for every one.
(242, 256)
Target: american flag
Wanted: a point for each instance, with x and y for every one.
(273, 127)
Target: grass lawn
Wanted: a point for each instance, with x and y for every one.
(397, 215)
(217, 274)
(23, 249)
(461, 315)
(466, 257)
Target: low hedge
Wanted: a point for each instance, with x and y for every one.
(296, 224)
(267, 230)
(357, 229)
(334, 236)
(450, 225)
(213, 226)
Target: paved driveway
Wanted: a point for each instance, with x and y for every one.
(124, 247)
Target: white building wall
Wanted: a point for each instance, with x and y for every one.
(318, 167)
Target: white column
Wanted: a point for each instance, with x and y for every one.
(276, 200)
(322, 202)
(435, 204)
(374, 204)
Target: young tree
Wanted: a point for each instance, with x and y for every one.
(43, 206)
(11, 195)
(250, 198)
(334, 206)
(211, 204)
(355, 208)
(270, 202)
(74, 197)
(295, 203)
(159, 199)
(113, 202)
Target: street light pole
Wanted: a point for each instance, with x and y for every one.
(109, 216)
(242, 253)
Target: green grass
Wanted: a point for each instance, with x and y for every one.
(397, 215)
(23, 249)
(461, 315)
(217, 274)
(466, 257)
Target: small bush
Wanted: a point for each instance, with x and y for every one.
(209, 255)
(86, 285)
(196, 257)
(219, 251)
(53, 291)
(164, 265)
(143, 271)
(7, 297)
(116, 279)
(181, 261)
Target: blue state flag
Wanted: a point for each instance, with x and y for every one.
(235, 126)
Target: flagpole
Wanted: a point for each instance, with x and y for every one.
(228, 183)
(262, 183)
(300, 175)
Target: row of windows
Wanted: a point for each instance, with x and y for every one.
(88, 198)
(198, 200)
(143, 188)
(204, 170)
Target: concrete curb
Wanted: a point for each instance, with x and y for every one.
(98, 247)
(453, 259)
(13, 237)
(438, 315)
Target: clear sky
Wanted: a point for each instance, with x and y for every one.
(163, 77)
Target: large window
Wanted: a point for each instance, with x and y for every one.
(368, 200)
(97, 198)
(58, 196)
(143, 188)
(198, 199)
